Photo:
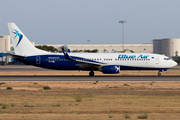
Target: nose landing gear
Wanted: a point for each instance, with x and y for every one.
(159, 73)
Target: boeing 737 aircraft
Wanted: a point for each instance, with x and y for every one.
(107, 63)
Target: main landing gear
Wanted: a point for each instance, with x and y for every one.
(91, 73)
(159, 74)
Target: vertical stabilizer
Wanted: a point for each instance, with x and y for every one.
(22, 46)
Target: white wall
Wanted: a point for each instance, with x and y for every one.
(157, 46)
(141, 48)
(170, 46)
(7, 42)
(167, 46)
(4, 43)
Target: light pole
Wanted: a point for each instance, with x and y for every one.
(172, 48)
(122, 33)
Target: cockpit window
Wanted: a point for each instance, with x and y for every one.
(166, 58)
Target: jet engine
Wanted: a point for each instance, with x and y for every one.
(110, 69)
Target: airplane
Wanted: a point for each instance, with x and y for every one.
(107, 63)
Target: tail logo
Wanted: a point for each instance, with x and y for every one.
(17, 34)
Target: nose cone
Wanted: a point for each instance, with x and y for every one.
(173, 63)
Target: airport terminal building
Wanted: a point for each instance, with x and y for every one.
(140, 48)
(5, 45)
(167, 46)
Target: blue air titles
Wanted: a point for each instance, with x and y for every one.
(143, 56)
(127, 56)
(133, 56)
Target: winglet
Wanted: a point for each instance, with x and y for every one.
(66, 54)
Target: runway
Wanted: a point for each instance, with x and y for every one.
(19, 68)
(87, 78)
(78, 78)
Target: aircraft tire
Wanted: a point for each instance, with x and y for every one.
(159, 74)
(91, 73)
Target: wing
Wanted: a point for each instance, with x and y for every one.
(83, 62)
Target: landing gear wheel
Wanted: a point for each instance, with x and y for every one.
(91, 73)
(159, 74)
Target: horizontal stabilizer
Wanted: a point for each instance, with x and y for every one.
(15, 56)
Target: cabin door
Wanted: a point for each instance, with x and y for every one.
(157, 60)
(38, 60)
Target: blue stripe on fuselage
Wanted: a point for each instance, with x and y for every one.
(59, 62)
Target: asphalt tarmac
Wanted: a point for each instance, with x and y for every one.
(87, 78)
(19, 68)
(15, 68)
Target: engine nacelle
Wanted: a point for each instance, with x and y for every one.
(111, 69)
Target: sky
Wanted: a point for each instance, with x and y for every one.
(76, 21)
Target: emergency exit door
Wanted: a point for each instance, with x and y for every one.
(38, 60)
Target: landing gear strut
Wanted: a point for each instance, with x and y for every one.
(159, 74)
(91, 73)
